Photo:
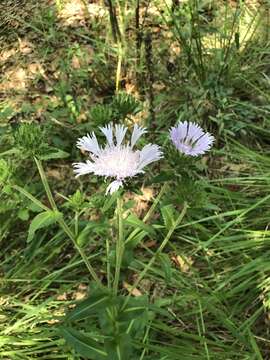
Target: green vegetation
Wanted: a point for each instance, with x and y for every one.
(176, 265)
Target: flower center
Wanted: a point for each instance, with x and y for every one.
(187, 144)
(118, 161)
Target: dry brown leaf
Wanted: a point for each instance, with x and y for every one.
(81, 292)
(77, 11)
(53, 321)
(159, 86)
(141, 201)
(149, 244)
(135, 292)
(62, 297)
(6, 54)
(35, 68)
(184, 263)
(55, 173)
(15, 79)
(81, 118)
(75, 62)
(25, 46)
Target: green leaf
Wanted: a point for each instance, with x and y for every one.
(6, 113)
(23, 214)
(162, 177)
(101, 114)
(96, 301)
(44, 219)
(120, 348)
(109, 202)
(134, 317)
(134, 221)
(124, 104)
(166, 266)
(168, 216)
(34, 207)
(135, 238)
(254, 345)
(136, 307)
(4, 171)
(83, 235)
(55, 154)
(82, 344)
(92, 227)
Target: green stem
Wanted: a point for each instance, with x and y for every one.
(30, 197)
(69, 233)
(76, 223)
(108, 263)
(62, 223)
(149, 213)
(159, 250)
(45, 184)
(120, 246)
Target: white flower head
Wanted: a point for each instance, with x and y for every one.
(190, 139)
(117, 160)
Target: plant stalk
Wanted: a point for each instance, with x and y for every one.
(63, 224)
(120, 245)
(159, 250)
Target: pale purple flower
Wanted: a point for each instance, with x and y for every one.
(190, 139)
(115, 159)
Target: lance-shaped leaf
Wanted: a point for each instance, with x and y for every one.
(83, 344)
(97, 300)
(44, 219)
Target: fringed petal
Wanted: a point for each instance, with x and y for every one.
(114, 186)
(108, 132)
(89, 143)
(82, 168)
(120, 132)
(138, 131)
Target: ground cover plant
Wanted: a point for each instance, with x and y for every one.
(153, 253)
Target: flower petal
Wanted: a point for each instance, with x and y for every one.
(149, 154)
(114, 186)
(203, 144)
(138, 131)
(120, 132)
(89, 143)
(108, 132)
(82, 168)
(116, 160)
(194, 132)
(182, 129)
(190, 139)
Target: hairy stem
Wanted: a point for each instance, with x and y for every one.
(63, 224)
(120, 246)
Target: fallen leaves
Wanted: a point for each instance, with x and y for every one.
(133, 291)
(74, 12)
(182, 262)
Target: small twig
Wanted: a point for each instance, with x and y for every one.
(138, 40)
(150, 77)
(114, 22)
